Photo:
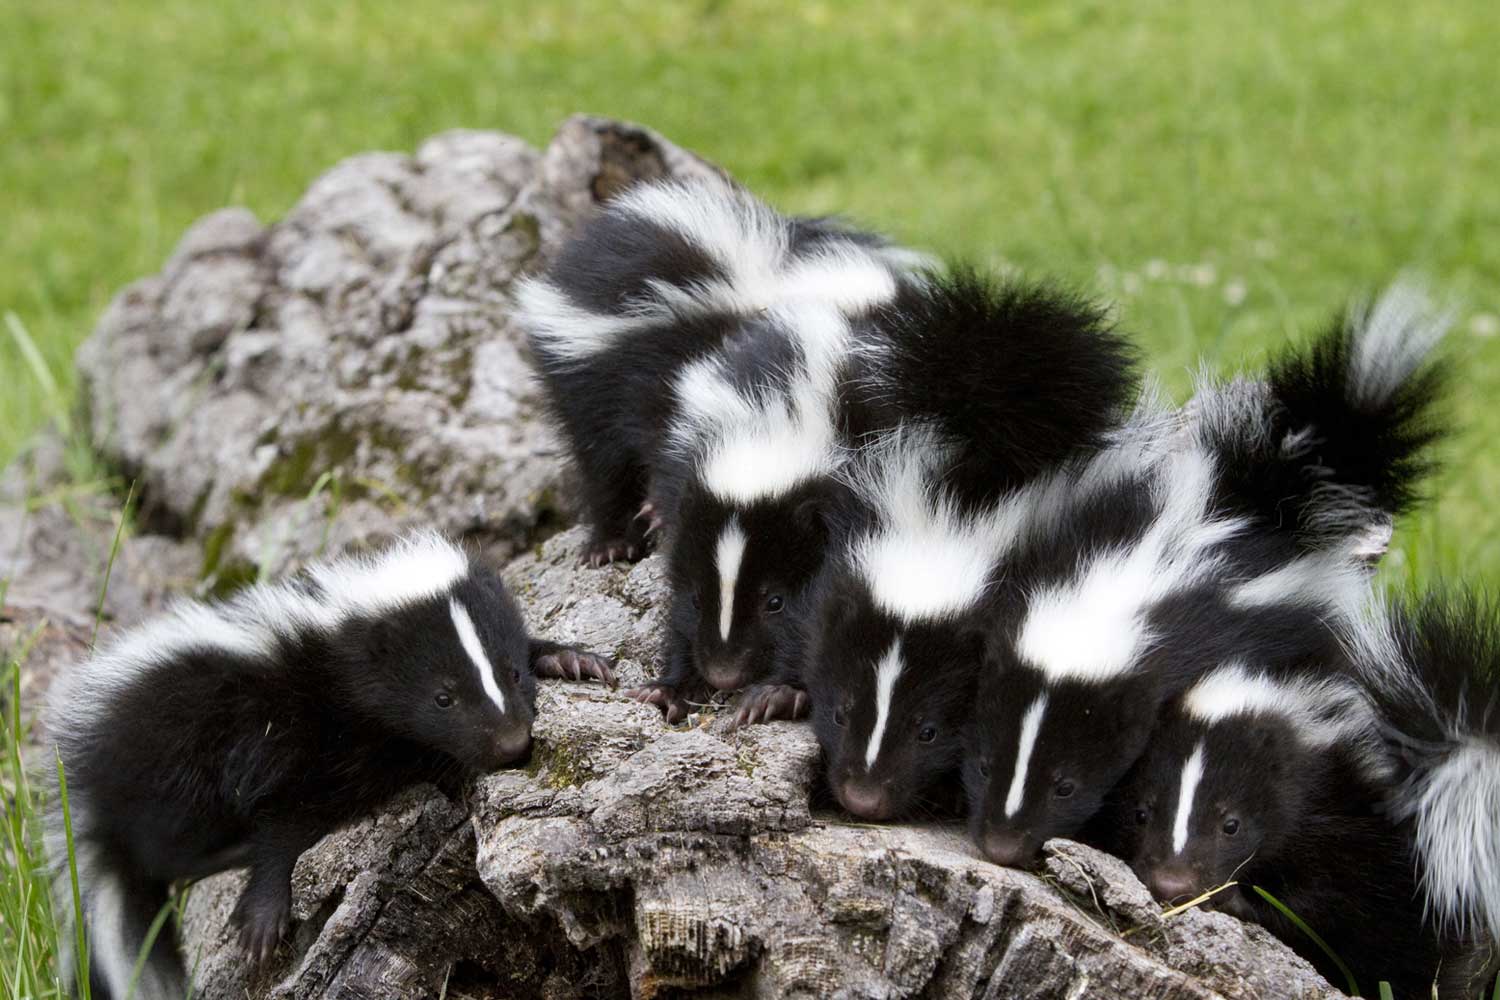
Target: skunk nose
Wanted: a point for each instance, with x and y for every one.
(1168, 884)
(725, 676)
(865, 799)
(1010, 848)
(512, 745)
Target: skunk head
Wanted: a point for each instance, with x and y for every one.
(450, 673)
(1231, 774)
(889, 699)
(1205, 800)
(743, 571)
(1042, 754)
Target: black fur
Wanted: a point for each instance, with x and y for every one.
(1020, 374)
(1305, 824)
(208, 759)
(1322, 457)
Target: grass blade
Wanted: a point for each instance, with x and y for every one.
(80, 945)
(162, 914)
(109, 567)
(41, 372)
(1312, 935)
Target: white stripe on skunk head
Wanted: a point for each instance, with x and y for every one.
(468, 638)
(887, 671)
(925, 559)
(1031, 726)
(1324, 711)
(1392, 338)
(1187, 788)
(728, 555)
(1093, 627)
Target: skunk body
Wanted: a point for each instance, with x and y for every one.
(990, 384)
(1243, 538)
(1275, 775)
(237, 734)
(695, 347)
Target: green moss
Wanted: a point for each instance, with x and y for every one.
(560, 766)
(294, 475)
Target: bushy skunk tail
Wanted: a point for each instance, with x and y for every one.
(119, 907)
(1337, 437)
(1433, 670)
(1018, 375)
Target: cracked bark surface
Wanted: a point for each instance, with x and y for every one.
(367, 336)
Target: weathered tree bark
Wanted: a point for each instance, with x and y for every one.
(352, 370)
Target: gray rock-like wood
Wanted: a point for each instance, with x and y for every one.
(367, 336)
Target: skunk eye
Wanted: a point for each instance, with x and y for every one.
(1142, 817)
(774, 604)
(1231, 827)
(839, 718)
(516, 675)
(443, 700)
(984, 769)
(1063, 788)
(697, 604)
(928, 734)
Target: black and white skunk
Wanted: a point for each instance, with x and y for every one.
(1145, 575)
(237, 734)
(992, 384)
(1363, 795)
(695, 346)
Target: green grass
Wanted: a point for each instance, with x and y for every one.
(1229, 173)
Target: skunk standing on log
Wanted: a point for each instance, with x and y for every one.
(1362, 791)
(695, 347)
(995, 383)
(237, 734)
(1243, 537)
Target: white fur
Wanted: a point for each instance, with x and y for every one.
(1031, 726)
(1325, 710)
(1192, 773)
(1093, 627)
(1457, 812)
(468, 638)
(568, 331)
(925, 560)
(1334, 579)
(886, 674)
(1392, 340)
(727, 557)
(1455, 805)
(751, 245)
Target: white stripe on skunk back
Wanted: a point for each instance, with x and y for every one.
(924, 559)
(750, 243)
(252, 622)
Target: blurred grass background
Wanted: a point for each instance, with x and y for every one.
(1228, 173)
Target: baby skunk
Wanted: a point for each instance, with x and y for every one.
(693, 344)
(1151, 575)
(237, 734)
(1376, 828)
(996, 383)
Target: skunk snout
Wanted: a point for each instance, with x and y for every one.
(1011, 848)
(511, 744)
(1169, 883)
(865, 799)
(725, 673)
